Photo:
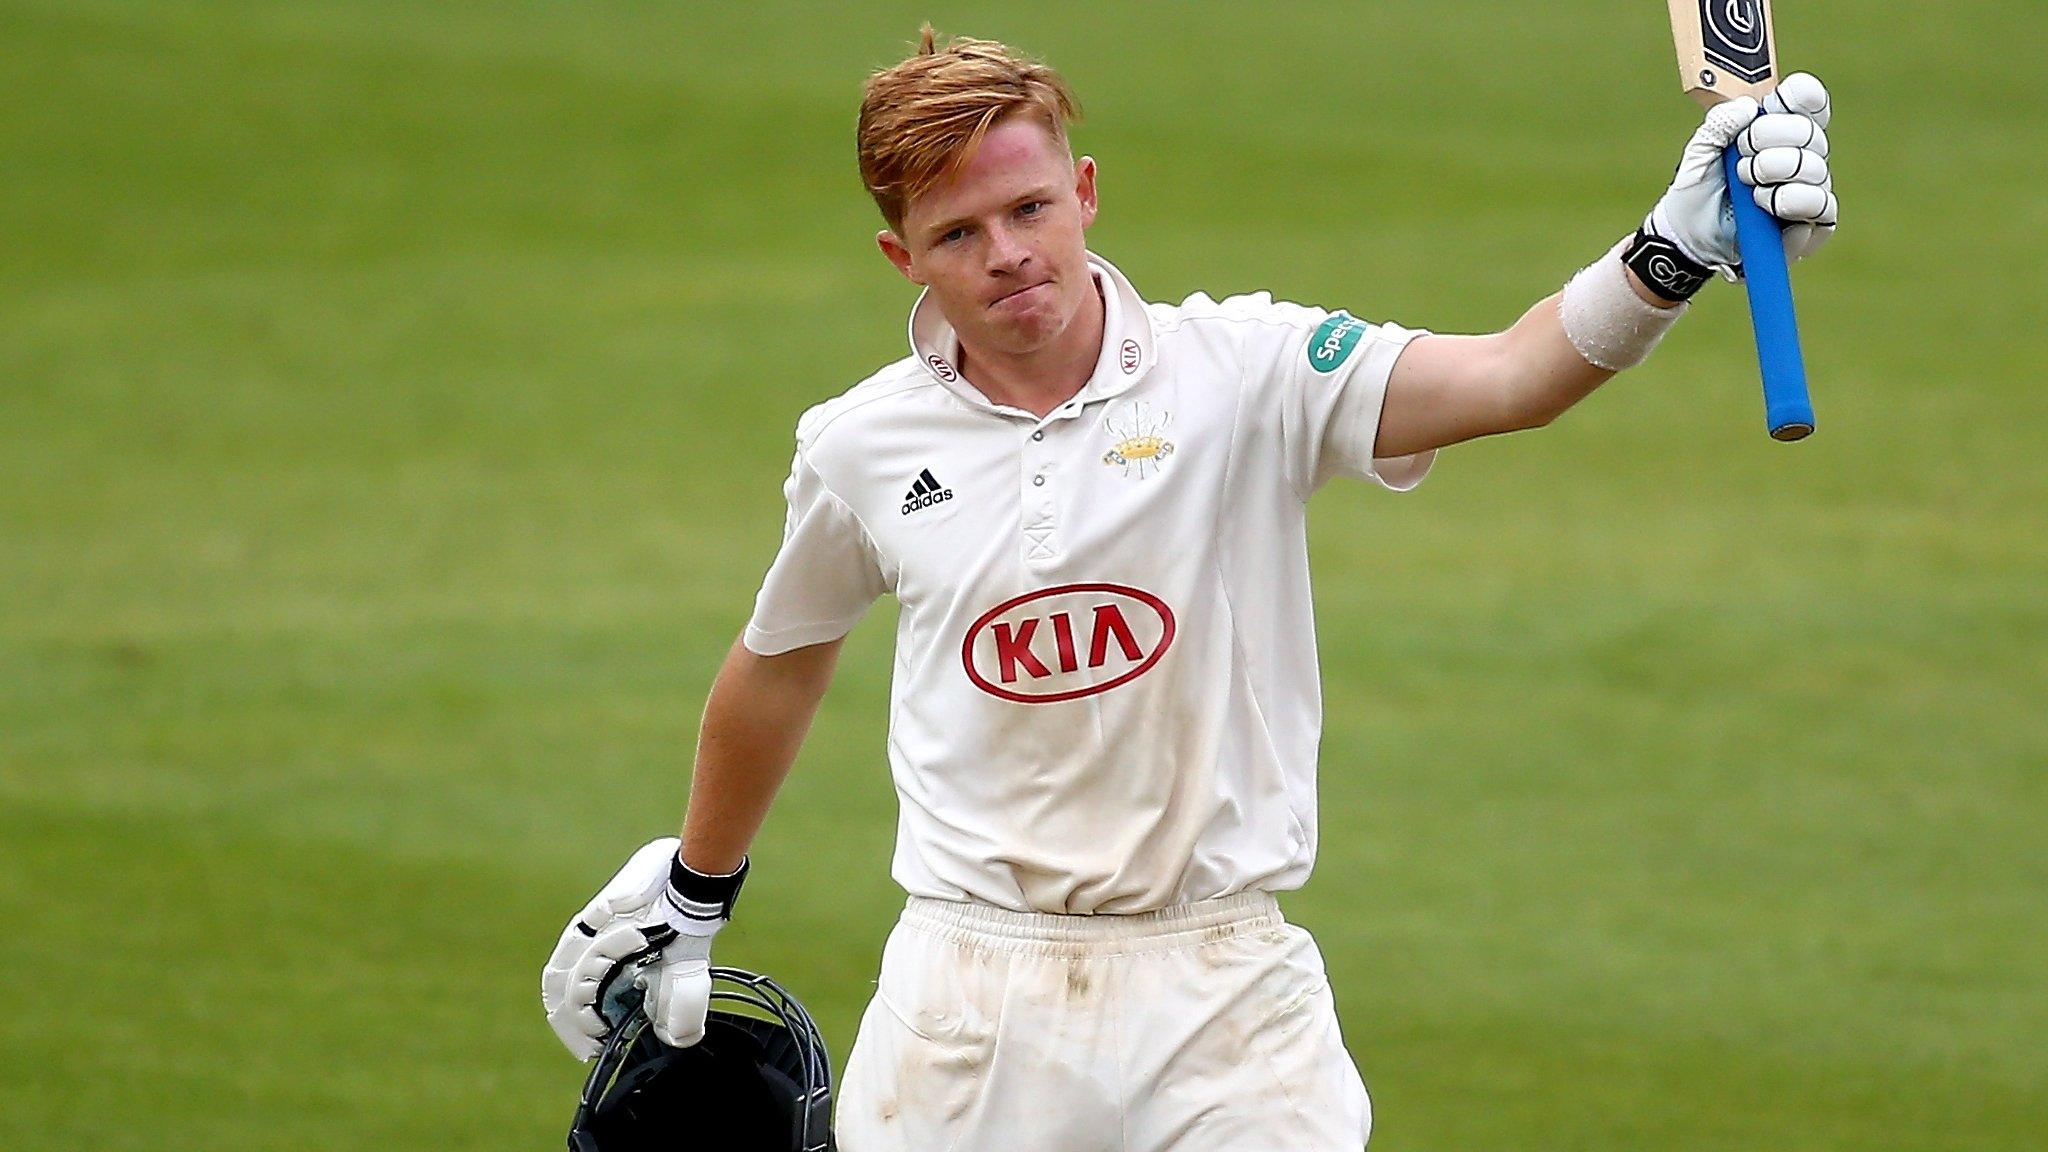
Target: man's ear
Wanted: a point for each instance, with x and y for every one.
(898, 253)
(1084, 188)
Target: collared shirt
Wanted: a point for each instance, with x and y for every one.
(1106, 695)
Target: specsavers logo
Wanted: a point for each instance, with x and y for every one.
(1067, 642)
(1333, 341)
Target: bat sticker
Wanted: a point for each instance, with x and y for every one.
(1734, 35)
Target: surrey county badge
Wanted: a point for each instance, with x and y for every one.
(1141, 443)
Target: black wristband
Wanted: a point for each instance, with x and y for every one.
(1663, 267)
(695, 896)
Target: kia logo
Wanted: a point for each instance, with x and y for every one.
(1066, 642)
(942, 368)
(1129, 353)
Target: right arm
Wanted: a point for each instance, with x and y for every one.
(662, 910)
(759, 711)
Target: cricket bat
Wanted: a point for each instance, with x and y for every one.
(1728, 49)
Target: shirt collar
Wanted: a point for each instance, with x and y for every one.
(1128, 345)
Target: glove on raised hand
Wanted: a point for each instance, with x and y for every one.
(650, 926)
(1784, 147)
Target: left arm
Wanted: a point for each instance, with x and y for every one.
(1448, 389)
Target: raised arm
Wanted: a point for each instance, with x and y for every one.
(1448, 389)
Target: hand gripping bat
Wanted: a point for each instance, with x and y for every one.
(1728, 49)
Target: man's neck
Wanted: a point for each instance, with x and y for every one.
(1041, 381)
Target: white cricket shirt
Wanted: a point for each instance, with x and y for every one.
(1105, 696)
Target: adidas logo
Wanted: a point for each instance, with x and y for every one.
(925, 493)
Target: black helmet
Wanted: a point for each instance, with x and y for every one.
(761, 1071)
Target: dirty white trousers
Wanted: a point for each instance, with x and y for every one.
(1200, 1028)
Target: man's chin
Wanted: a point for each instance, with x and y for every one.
(1021, 338)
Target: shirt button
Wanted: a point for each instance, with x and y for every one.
(1038, 481)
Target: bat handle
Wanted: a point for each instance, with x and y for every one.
(1787, 409)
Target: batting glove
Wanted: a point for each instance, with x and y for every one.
(693, 907)
(1784, 167)
(650, 927)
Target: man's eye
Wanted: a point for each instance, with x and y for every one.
(1030, 208)
(956, 234)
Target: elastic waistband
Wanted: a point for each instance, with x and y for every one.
(1179, 926)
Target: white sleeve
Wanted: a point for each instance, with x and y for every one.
(1326, 374)
(824, 578)
(1346, 401)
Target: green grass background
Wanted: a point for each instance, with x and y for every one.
(394, 399)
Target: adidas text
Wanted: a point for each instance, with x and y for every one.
(926, 500)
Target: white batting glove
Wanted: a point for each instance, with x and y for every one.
(1784, 146)
(1785, 159)
(591, 952)
(678, 987)
(640, 930)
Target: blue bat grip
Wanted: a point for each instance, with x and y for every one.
(1787, 410)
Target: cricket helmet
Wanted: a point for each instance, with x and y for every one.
(760, 1077)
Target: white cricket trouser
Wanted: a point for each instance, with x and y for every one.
(1200, 1028)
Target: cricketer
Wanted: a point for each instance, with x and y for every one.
(1105, 710)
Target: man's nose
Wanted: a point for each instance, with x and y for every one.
(1006, 251)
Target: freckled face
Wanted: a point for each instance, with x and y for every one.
(1000, 244)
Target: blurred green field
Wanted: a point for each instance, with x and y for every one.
(394, 400)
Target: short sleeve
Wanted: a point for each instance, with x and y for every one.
(1325, 373)
(1340, 405)
(825, 576)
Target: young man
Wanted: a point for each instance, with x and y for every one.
(1105, 710)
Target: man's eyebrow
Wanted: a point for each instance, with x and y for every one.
(1043, 192)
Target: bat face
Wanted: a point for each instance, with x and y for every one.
(1726, 48)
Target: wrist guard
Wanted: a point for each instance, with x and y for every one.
(695, 904)
(1663, 266)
